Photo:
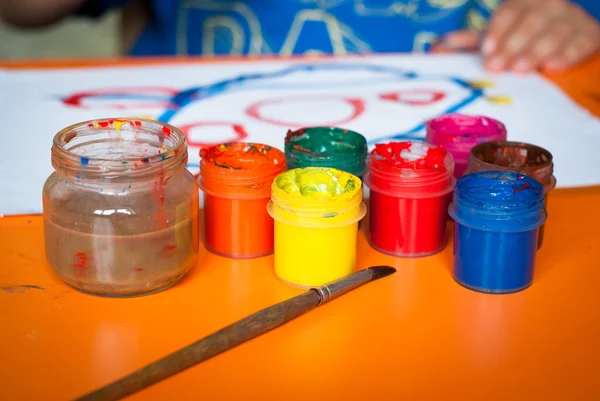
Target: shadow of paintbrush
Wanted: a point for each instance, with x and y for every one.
(235, 334)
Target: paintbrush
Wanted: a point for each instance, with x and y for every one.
(235, 334)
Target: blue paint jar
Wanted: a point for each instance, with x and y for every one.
(497, 216)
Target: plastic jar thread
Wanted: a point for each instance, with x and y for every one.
(458, 133)
(321, 209)
(411, 180)
(499, 201)
(240, 170)
(337, 148)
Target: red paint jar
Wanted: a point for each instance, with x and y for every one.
(411, 187)
(518, 157)
(458, 133)
(236, 180)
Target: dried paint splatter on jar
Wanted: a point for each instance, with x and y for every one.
(120, 218)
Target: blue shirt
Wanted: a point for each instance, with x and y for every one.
(285, 27)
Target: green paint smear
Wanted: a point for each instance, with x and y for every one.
(313, 182)
(327, 147)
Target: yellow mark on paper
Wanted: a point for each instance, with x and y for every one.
(499, 99)
(482, 84)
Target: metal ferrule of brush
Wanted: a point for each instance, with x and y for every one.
(339, 287)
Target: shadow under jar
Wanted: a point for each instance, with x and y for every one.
(120, 209)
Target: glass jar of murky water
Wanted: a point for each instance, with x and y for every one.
(120, 209)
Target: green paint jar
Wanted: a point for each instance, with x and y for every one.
(332, 147)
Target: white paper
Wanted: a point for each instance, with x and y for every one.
(379, 96)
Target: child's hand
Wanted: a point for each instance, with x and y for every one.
(531, 34)
(526, 35)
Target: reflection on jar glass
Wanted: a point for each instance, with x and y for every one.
(120, 209)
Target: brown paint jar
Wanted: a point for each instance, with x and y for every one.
(518, 157)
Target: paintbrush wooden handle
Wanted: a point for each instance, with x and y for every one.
(220, 341)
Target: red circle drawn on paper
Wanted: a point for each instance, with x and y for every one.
(76, 99)
(253, 110)
(238, 130)
(404, 96)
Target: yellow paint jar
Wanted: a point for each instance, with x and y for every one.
(316, 212)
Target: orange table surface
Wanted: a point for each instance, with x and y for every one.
(414, 335)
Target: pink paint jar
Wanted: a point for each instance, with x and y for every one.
(518, 157)
(458, 133)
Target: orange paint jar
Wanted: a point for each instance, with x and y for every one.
(236, 180)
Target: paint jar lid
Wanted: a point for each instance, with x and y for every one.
(318, 197)
(498, 201)
(458, 133)
(327, 147)
(240, 169)
(410, 170)
(518, 157)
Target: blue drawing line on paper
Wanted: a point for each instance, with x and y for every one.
(188, 96)
(191, 95)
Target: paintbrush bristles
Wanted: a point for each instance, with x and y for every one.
(381, 271)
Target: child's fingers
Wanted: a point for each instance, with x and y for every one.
(529, 34)
(522, 38)
(548, 45)
(579, 47)
(583, 42)
(503, 20)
